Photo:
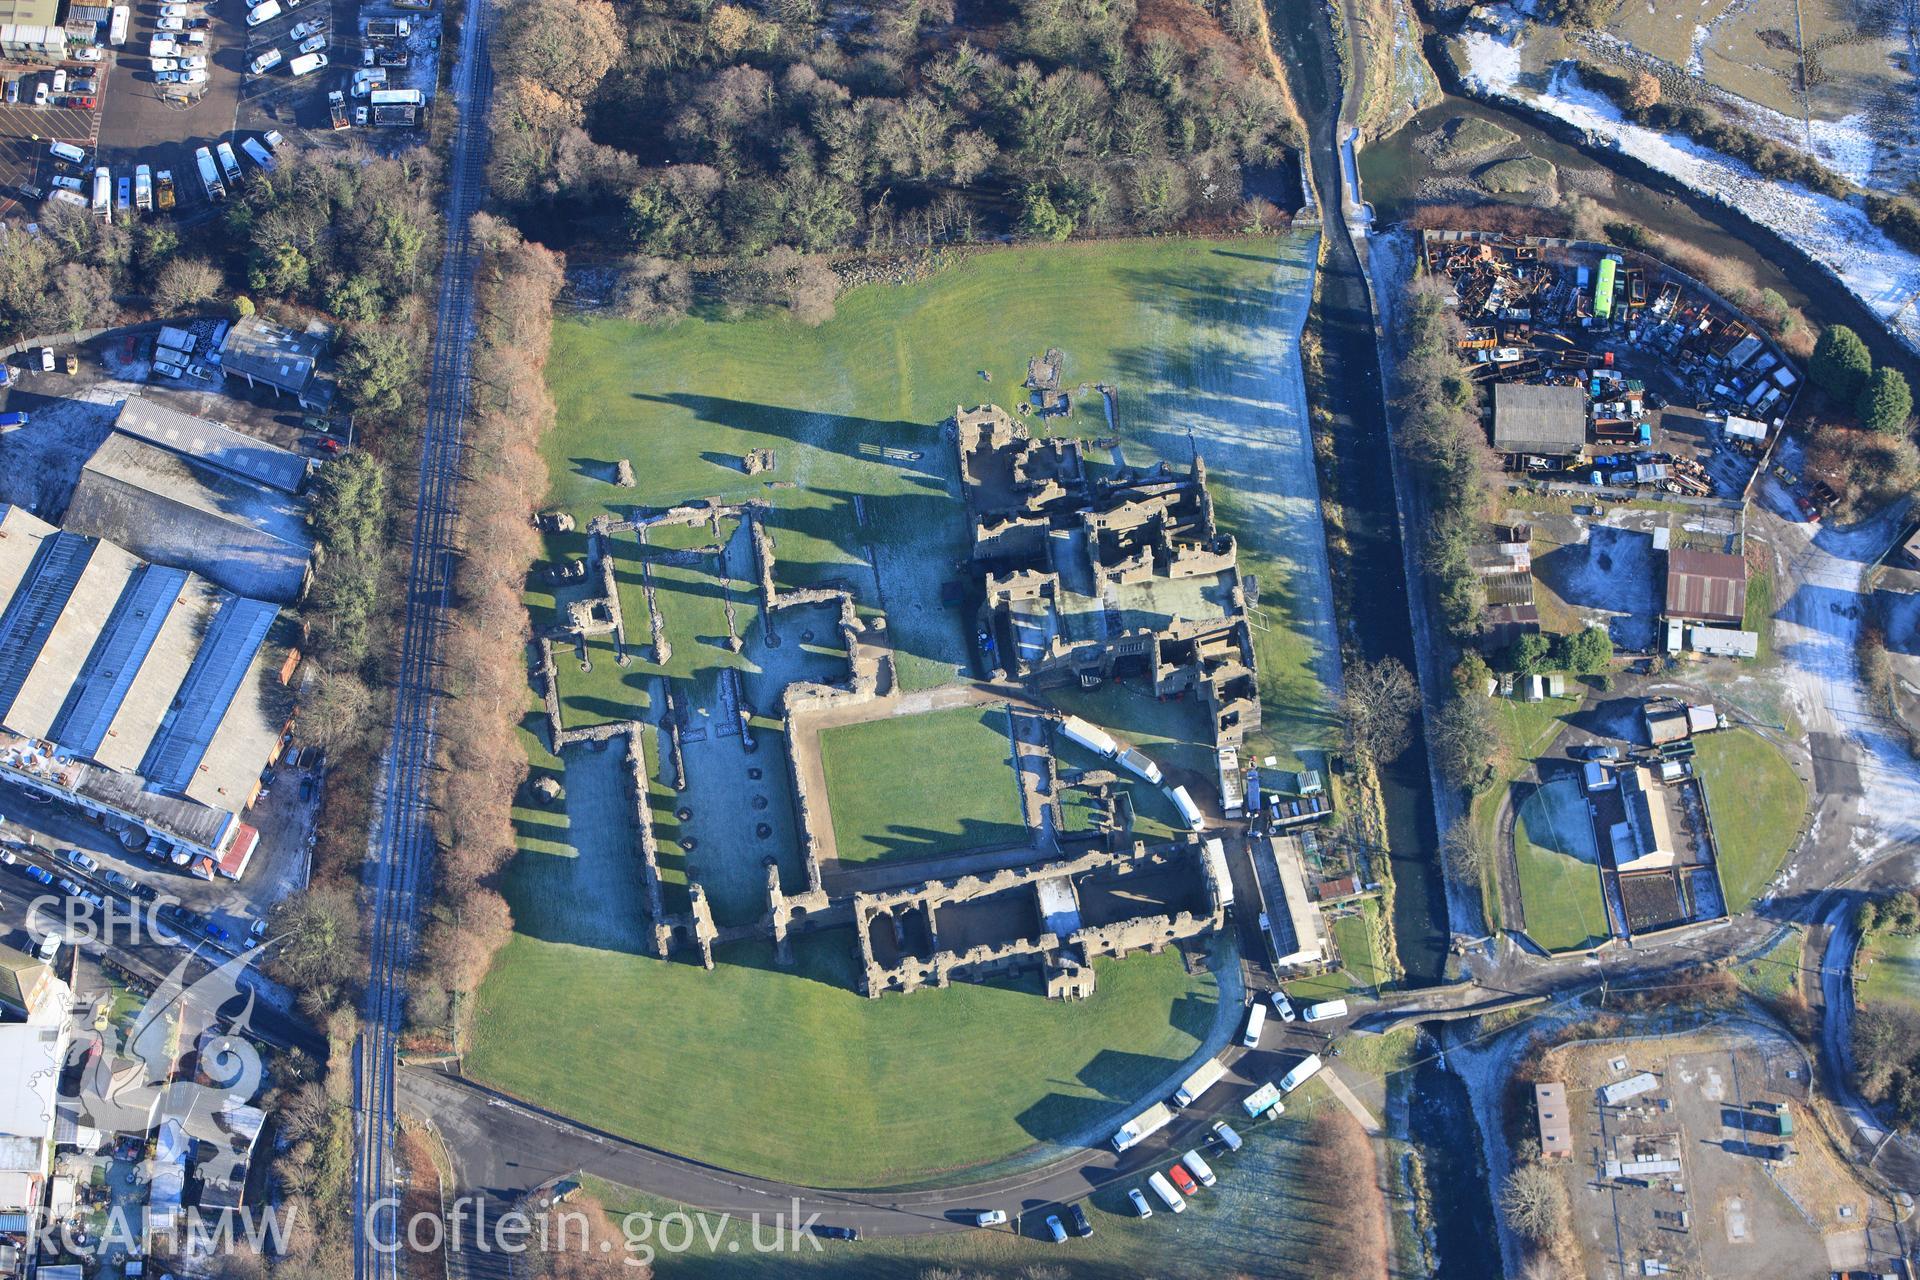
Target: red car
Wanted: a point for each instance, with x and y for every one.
(1183, 1180)
(330, 445)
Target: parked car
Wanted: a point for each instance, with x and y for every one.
(13, 92)
(170, 24)
(1078, 1216)
(173, 11)
(1054, 1229)
(91, 53)
(92, 899)
(313, 44)
(1283, 1006)
(39, 875)
(1223, 1134)
(166, 77)
(63, 183)
(85, 86)
(46, 359)
(1140, 1205)
(166, 64)
(85, 861)
(312, 26)
(69, 887)
(990, 1218)
(1600, 751)
(216, 932)
(835, 1233)
(1183, 1180)
(48, 947)
(123, 197)
(41, 93)
(194, 62)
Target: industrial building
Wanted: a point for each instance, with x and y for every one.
(285, 361)
(138, 692)
(212, 444)
(1548, 421)
(1706, 586)
(245, 537)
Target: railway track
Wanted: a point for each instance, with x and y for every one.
(401, 839)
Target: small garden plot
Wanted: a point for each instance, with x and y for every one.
(921, 785)
(1559, 869)
(1758, 803)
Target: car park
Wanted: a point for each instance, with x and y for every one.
(1054, 1229)
(1140, 1205)
(1078, 1217)
(990, 1218)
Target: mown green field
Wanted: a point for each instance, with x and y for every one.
(923, 785)
(1758, 802)
(1559, 869)
(1235, 1228)
(794, 1075)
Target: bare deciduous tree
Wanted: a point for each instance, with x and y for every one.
(1378, 707)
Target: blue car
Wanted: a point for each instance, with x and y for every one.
(217, 933)
(39, 875)
(6, 376)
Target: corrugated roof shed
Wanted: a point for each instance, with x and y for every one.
(211, 443)
(188, 754)
(64, 653)
(1706, 586)
(129, 731)
(126, 639)
(162, 506)
(28, 617)
(1545, 420)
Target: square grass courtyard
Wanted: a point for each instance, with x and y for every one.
(917, 786)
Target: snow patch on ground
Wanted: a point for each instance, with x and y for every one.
(1833, 233)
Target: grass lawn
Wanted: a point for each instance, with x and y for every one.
(1526, 729)
(841, 1090)
(1559, 869)
(1196, 336)
(915, 786)
(1892, 970)
(1758, 615)
(1263, 1219)
(1758, 803)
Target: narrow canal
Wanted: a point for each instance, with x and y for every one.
(1381, 624)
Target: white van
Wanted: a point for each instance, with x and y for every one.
(68, 152)
(1324, 1010)
(1164, 1189)
(1201, 1171)
(1256, 1019)
(265, 12)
